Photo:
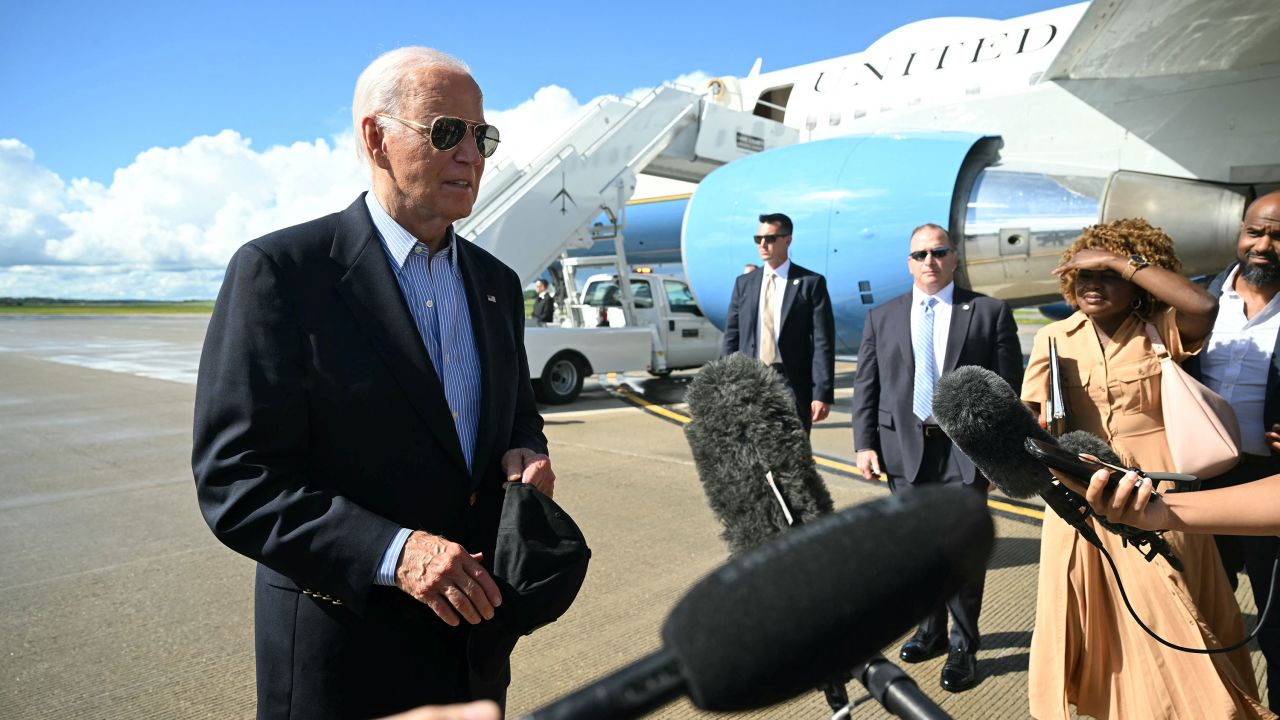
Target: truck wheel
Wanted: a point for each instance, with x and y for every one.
(561, 380)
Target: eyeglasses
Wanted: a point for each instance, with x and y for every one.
(446, 132)
(767, 239)
(938, 252)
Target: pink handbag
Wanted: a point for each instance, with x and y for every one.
(1201, 428)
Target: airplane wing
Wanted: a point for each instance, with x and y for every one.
(1149, 38)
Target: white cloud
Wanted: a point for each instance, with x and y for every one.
(167, 223)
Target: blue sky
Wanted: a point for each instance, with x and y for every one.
(169, 112)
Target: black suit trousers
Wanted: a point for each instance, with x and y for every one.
(938, 466)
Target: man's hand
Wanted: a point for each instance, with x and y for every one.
(819, 410)
(869, 464)
(479, 710)
(526, 466)
(1273, 438)
(446, 578)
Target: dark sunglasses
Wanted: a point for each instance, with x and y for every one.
(446, 132)
(768, 238)
(939, 253)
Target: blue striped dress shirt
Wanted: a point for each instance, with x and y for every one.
(437, 298)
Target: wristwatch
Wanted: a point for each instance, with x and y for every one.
(1136, 263)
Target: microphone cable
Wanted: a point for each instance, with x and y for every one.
(1262, 617)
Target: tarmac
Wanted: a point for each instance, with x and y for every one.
(117, 602)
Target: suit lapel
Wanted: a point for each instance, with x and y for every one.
(958, 330)
(749, 312)
(370, 290)
(898, 314)
(484, 314)
(790, 288)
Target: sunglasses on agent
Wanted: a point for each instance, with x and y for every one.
(446, 132)
(767, 239)
(938, 252)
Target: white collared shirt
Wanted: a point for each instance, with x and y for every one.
(780, 289)
(941, 319)
(1237, 358)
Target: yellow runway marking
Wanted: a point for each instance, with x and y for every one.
(636, 399)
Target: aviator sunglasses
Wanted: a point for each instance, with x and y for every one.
(939, 252)
(767, 239)
(446, 132)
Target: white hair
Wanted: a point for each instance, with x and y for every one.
(381, 87)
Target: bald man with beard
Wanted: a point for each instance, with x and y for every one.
(1241, 362)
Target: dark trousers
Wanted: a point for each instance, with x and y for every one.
(939, 467)
(803, 408)
(1257, 556)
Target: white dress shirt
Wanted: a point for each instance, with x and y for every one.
(941, 319)
(1236, 360)
(780, 291)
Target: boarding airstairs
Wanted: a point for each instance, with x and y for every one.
(529, 216)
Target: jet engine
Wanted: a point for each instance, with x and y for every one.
(855, 200)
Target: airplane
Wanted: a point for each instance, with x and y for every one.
(1014, 134)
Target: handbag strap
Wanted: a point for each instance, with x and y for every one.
(1156, 343)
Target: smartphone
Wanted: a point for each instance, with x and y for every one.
(1051, 455)
(1077, 467)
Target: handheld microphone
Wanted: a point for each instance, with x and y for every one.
(748, 442)
(982, 415)
(745, 638)
(756, 468)
(1148, 543)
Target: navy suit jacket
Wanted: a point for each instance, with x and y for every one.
(321, 428)
(806, 340)
(982, 332)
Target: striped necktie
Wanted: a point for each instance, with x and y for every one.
(926, 365)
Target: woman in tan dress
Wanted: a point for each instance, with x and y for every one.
(1086, 650)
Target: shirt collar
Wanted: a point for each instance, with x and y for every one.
(781, 271)
(399, 242)
(944, 296)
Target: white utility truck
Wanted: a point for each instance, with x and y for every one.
(653, 325)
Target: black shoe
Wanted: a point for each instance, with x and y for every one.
(960, 671)
(918, 649)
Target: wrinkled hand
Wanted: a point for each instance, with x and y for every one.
(1091, 259)
(446, 578)
(1273, 438)
(480, 710)
(529, 467)
(1134, 501)
(819, 410)
(869, 464)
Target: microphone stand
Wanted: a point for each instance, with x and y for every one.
(885, 682)
(896, 692)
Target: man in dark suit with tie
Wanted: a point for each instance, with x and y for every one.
(782, 316)
(544, 305)
(907, 344)
(363, 397)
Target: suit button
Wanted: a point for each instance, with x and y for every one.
(472, 500)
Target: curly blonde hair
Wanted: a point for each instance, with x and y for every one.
(1124, 237)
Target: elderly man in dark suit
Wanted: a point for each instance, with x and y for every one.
(907, 344)
(1241, 362)
(782, 316)
(363, 398)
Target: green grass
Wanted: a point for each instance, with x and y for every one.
(95, 307)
